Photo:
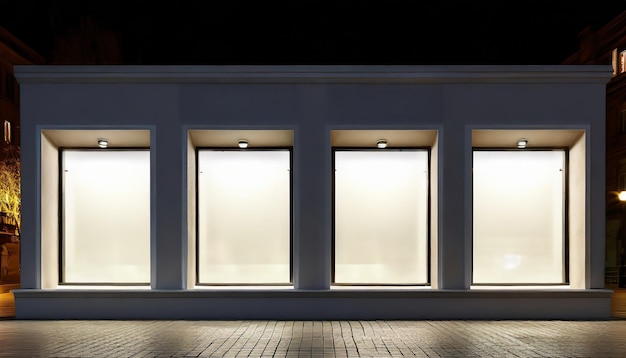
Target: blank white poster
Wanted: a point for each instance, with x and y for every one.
(381, 217)
(106, 216)
(244, 214)
(519, 217)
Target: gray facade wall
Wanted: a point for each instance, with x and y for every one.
(312, 101)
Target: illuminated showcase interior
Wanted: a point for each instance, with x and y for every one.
(519, 217)
(381, 217)
(97, 221)
(244, 217)
(106, 216)
(528, 210)
(384, 207)
(382, 211)
(240, 200)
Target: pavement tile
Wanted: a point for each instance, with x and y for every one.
(140, 339)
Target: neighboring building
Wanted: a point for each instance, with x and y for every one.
(313, 192)
(604, 46)
(12, 52)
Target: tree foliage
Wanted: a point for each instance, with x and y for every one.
(10, 188)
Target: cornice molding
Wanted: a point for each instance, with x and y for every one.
(313, 74)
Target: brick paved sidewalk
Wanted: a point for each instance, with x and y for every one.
(312, 338)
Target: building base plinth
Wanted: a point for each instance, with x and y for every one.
(593, 304)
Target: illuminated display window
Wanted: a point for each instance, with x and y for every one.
(105, 231)
(519, 216)
(381, 216)
(244, 216)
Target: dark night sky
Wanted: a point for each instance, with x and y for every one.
(316, 31)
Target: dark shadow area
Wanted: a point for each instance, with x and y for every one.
(304, 31)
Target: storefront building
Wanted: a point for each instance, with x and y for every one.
(313, 192)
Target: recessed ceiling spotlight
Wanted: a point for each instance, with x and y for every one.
(522, 143)
(381, 143)
(243, 144)
(103, 143)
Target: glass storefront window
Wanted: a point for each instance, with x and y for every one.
(105, 216)
(381, 217)
(244, 217)
(519, 217)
